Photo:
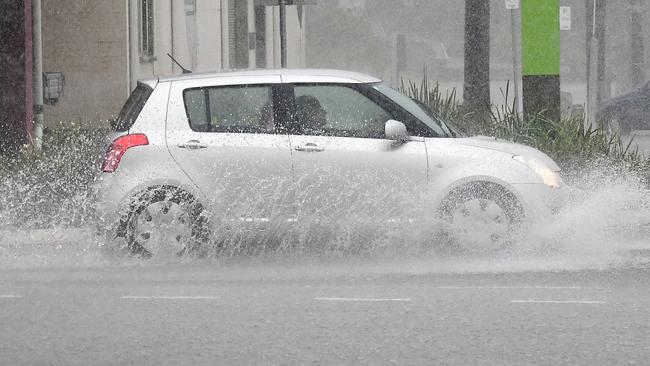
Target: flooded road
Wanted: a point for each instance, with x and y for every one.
(65, 301)
(353, 313)
(573, 290)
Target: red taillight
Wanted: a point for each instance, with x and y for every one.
(119, 147)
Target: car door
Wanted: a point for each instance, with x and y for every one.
(344, 167)
(222, 133)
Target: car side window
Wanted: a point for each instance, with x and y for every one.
(337, 110)
(237, 109)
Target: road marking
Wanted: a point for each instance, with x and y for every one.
(361, 299)
(10, 296)
(556, 302)
(516, 288)
(128, 297)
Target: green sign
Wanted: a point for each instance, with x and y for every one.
(540, 37)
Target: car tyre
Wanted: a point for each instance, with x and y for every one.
(481, 218)
(166, 222)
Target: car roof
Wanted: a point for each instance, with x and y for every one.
(287, 75)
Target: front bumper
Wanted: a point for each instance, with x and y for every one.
(540, 200)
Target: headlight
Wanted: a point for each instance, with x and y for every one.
(549, 177)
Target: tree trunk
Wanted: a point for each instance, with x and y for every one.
(476, 91)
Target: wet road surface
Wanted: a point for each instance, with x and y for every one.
(210, 314)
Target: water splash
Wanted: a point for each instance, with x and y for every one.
(605, 224)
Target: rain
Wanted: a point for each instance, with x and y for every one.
(324, 182)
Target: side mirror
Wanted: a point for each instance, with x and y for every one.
(396, 131)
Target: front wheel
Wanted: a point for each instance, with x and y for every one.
(165, 223)
(481, 218)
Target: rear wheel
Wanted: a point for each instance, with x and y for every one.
(481, 218)
(166, 222)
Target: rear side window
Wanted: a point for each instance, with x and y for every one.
(238, 109)
(132, 108)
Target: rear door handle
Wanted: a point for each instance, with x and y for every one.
(309, 147)
(192, 145)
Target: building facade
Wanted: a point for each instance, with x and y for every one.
(103, 47)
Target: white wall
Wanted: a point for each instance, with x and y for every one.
(170, 36)
(209, 51)
(208, 34)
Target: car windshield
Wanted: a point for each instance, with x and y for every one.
(415, 109)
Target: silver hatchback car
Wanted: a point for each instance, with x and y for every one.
(193, 154)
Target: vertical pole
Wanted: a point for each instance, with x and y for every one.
(589, 35)
(540, 43)
(515, 57)
(128, 45)
(28, 50)
(400, 56)
(171, 36)
(283, 33)
(252, 36)
(595, 59)
(225, 36)
(38, 74)
(637, 75)
(602, 92)
(134, 45)
(272, 34)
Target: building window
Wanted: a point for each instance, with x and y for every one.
(190, 7)
(146, 31)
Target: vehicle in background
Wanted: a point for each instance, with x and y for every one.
(194, 155)
(628, 116)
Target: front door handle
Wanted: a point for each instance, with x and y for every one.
(309, 147)
(192, 145)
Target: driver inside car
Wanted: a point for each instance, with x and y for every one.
(310, 115)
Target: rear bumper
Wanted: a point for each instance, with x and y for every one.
(110, 195)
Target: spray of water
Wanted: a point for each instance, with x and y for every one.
(606, 223)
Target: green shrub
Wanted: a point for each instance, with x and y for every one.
(444, 106)
(574, 146)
